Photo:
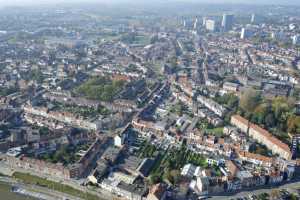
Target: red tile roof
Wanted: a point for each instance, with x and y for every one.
(263, 132)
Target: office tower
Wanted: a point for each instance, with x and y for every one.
(227, 22)
(274, 35)
(204, 21)
(243, 33)
(279, 36)
(295, 39)
(195, 23)
(253, 19)
(246, 33)
(210, 25)
(256, 19)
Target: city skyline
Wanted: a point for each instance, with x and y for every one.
(150, 100)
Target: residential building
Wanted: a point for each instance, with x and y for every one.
(212, 105)
(231, 87)
(262, 136)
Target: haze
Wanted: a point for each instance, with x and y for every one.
(43, 2)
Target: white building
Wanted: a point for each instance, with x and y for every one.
(210, 25)
(295, 39)
(246, 33)
(119, 140)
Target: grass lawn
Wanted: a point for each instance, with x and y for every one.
(215, 131)
(6, 194)
(35, 180)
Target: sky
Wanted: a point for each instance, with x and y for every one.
(38, 2)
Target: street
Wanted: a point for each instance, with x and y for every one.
(291, 187)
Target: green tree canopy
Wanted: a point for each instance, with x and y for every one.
(293, 124)
(249, 100)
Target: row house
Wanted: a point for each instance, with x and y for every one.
(255, 158)
(64, 117)
(42, 167)
(147, 127)
(262, 136)
(212, 105)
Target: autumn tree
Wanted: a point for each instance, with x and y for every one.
(249, 100)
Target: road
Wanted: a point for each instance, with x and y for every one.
(291, 187)
(48, 193)
(102, 194)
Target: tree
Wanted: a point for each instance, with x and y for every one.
(100, 88)
(249, 100)
(263, 196)
(293, 124)
(155, 178)
(260, 113)
(174, 176)
(293, 197)
(44, 131)
(275, 194)
(230, 100)
(37, 75)
(281, 105)
(233, 101)
(270, 120)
